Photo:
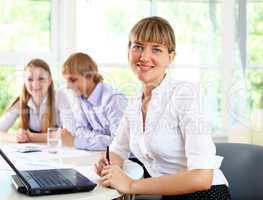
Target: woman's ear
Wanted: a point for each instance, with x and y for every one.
(172, 56)
(49, 81)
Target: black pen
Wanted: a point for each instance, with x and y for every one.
(108, 154)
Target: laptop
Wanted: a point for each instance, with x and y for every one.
(50, 181)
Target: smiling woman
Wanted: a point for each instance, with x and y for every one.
(163, 127)
(38, 107)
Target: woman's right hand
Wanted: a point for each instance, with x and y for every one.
(103, 162)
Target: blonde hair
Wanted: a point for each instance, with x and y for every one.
(83, 64)
(154, 29)
(48, 118)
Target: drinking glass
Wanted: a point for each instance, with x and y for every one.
(53, 139)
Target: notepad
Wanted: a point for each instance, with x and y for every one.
(28, 149)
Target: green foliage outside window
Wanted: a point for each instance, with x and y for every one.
(255, 86)
(255, 33)
(35, 16)
(25, 25)
(7, 86)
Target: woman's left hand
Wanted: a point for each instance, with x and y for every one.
(22, 136)
(113, 176)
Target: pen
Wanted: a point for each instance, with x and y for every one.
(108, 154)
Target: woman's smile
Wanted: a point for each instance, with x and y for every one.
(144, 67)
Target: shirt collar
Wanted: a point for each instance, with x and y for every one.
(161, 87)
(32, 105)
(95, 96)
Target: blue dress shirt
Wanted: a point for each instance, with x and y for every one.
(97, 117)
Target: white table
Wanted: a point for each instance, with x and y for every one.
(83, 161)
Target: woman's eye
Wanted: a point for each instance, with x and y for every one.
(72, 80)
(137, 47)
(30, 79)
(156, 50)
(41, 78)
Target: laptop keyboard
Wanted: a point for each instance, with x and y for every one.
(50, 178)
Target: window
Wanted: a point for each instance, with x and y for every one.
(255, 33)
(255, 49)
(7, 78)
(27, 30)
(25, 26)
(219, 44)
(103, 27)
(203, 44)
(195, 24)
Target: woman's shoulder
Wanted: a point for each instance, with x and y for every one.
(10, 113)
(13, 106)
(180, 87)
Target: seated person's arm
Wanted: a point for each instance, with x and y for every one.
(36, 137)
(184, 182)
(6, 122)
(115, 159)
(119, 148)
(95, 140)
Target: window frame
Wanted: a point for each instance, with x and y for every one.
(7, 57)
(63, 43)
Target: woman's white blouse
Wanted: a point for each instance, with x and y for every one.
(176, 136)
(64, 115)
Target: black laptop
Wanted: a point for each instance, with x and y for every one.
(50, 181)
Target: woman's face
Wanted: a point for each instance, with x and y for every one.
(37, 81)
(149, 61)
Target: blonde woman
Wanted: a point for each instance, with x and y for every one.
(163, 127)
(38, 107)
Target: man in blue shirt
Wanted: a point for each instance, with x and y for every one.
(97, 107)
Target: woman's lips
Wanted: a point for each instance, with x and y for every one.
(144, 68)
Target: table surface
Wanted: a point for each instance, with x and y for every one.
(83, 161)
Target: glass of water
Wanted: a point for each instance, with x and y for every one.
(53, 139)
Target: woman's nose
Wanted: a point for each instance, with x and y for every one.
(35, 83)
(145, 55)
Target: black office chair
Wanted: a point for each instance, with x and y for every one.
(243, 168)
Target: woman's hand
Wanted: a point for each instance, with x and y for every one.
(22, 136)
(103, 162)
(67, 138)
(113, 176)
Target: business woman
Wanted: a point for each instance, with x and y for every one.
(38, 107)
(163, 127)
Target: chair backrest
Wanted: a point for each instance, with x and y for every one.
(243, 168)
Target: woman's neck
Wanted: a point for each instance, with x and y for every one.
(149, 87)
(147, 92)
(37, 101)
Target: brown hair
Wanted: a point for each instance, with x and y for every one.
(154, 29)
(83, 64)
(48, 118)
